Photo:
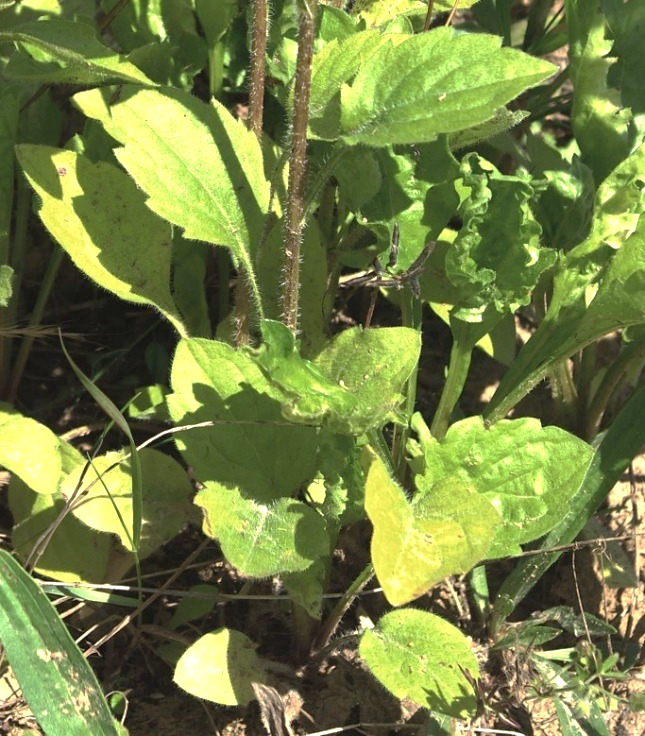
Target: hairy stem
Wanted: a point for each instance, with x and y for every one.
(298, 164)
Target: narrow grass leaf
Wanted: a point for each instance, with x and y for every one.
(55, 678)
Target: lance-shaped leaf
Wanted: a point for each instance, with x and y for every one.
(496, 260)
(420, 656)
(221, 667)
(103, 497)
(66, 51)
(99, 217)
(56, 680)
(416, 545)
(33, 452)
(262, 539)
(200, 167)
(348, 394)
(527, 472)
(433, 83)
(251, 445)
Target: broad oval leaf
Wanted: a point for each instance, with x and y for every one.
(433, 83)
(420, 656)
(33, 452)
(414, 546)
(221, 667)
(201, 168)
(68, 51)
(99, 217)
(56, 680)
(212, 382)
(526, 471)
(108, 484)
(263, 539)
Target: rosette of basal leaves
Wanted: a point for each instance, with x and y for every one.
(528, 473)
(496, 260)
(200, 167)
(353, 385)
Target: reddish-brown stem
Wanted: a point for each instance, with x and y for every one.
(428, 21)
(255, 120)
(298, 164)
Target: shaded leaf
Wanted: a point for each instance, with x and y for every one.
(213, 382)
(262, 539)
(420, 656)
(66, 51)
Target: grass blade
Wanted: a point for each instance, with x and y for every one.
(56, 680)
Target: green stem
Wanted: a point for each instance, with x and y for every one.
(216, 69)
(412, 317)
(564, 393)
(341, 608)
(481, 595)
(55, 261)
(460, 356)
(298, 163)
(536, 22)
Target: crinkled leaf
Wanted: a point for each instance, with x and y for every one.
(213, 382)
(417, 193)
(201, 168)
(414, 546)
(496, 260)
(165, 499)
(420, 656)
(529, 473)
(347, 393)
(262, 539)
(221, 667)
(74, 553)
(33, 452)
(66, 51)
(432, 83)
(600, 123)
(55, 678)
(99, 216)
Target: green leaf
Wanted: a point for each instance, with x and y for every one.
(33, 452)
(9, 112)
(601, 125)
(201, 168)
(529, 473)
(189, 271)
(213, 382)
(56, 680)
(215, 18)
(432, 83)
(190, 609)
(6, 288)
(621, 443)
(221, 667)
(107, 484)
(420, 656)
(66, 51)
(348, 394)
(99, 217)
(496, 259)
(74, 553)
(262, 539)
(416, 545)
(626, 23)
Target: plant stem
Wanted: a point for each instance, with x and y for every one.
(334, 618)
(411, 316)
(256, 117)
(481, 595)
(535, 27)
(428, 20)
(564, 392)
(460, 356)
(55, 260)
(298, 164)
(630, 355)
(216, 69)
